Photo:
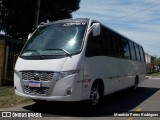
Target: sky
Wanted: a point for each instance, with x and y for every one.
(139, 20)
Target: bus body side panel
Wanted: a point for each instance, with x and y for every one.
(116, 73)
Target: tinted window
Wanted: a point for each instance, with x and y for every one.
(94, 46)
(137, 52)
(118, 45)
(47, 39)
(132, 50)
(108, 41)
(142, 54)
(126, 51)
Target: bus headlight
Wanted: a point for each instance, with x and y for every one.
(66, 73)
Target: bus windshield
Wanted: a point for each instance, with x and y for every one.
(56, 39)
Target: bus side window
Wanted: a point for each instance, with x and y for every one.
(126, 50)
(108, 41)
(142, 54)
(132, 50)
(94, 46)
(118, 46)
(137, 52)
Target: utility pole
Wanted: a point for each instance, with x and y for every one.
(37, 14)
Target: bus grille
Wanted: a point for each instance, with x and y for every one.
(37, 91)
(38, 76)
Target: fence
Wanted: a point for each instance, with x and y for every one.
(12, 48)
(1, 60)
(12, 51)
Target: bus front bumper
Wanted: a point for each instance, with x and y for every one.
(68, 98)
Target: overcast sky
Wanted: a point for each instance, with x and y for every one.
(138, 20)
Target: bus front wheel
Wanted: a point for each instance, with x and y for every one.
(96, 93)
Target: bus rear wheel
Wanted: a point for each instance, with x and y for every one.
(135, 87)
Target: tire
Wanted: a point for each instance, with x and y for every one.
(136, 84)
(96, 93)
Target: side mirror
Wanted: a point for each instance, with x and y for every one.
(29, 36)
(96, 29)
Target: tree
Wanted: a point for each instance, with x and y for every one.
(157, 62)
(3, 14)
(18, 16)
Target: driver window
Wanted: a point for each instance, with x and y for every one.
(94, 46)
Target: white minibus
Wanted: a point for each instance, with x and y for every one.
(76, 60)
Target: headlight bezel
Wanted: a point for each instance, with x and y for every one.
(64, 74)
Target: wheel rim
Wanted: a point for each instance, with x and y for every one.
(94, 96)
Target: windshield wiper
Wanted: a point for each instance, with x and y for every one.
(41, 56)
(67, 53)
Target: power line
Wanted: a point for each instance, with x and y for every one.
(140, 11)
(146, 9)
(137, 12)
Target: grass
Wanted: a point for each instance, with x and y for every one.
(154, 74)
(9, 99)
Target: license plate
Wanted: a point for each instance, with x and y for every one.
(34, 84)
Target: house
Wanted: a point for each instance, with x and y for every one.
(151, 67)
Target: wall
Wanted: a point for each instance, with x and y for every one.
(148, 58)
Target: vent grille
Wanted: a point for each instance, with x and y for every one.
(37, 76)
(36, 90)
